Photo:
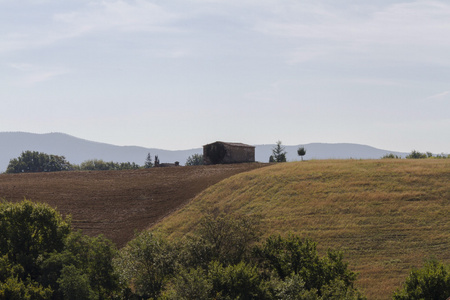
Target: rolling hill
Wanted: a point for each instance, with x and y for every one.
(386, 215)
(116, 203)
(77, 150)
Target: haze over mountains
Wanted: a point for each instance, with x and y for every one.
(77, 150)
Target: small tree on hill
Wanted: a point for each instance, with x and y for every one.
(278, 153)
(301, 152)
(194, 160)
(148, 161)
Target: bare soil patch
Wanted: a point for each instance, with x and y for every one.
(117, 203)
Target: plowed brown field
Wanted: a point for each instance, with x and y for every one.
(117, 203)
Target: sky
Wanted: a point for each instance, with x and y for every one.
(180, 74)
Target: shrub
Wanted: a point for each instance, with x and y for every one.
(194, 160)
(41, 258)
(430, 282)
(295, 256)
(146, 263)
(33, 161)
(391, 156)
(416, 155)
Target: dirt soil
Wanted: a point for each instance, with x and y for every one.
(117, 203)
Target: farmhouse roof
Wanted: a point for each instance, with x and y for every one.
(232, 144)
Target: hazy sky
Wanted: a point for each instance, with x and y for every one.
(180, 74)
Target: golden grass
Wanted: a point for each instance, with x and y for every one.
(386, 215)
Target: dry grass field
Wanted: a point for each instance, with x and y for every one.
(386, 215)
(116, 203)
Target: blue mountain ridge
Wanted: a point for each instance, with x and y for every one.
(77, 150)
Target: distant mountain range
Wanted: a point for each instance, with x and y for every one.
(77, 150)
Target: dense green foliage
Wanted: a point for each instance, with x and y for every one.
(430, 282)
(223, 260)
(278, 153)
(417, 155)
(391, 156)
(100, 165)
(41, 258)
(33, 161)
(195, 160)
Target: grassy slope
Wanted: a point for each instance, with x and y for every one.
(386, 215)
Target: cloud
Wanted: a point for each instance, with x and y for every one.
(119, 15)
(45, 23)
(439, 96)
(29, 74)
(406, 31)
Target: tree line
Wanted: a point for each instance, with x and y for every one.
(34, 161)
(417, 155)
(41, 257)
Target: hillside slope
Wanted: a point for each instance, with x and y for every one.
(387, 215)
(116, 203)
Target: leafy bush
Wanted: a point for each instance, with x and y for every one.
(146, 263)
(222, 260)
(430, 282)
(100, 165)
(240, 281)
(33, 161)
(195, 160)
(416, 155)
(295, 256)
(41, 258)
(391, 156)
(190, 284)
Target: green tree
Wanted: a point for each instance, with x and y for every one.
(416, 155)
(41, 258)
(29, 233)
(33, 161)
(293, 255)
(293, 288)
(301, 152)
(430, 282)
(189, 284)
(194, 160)
(148, 161)
(146, 263)
(16, 289)
(239, 281)
(101, 165)
(227, 239)
(74, 284)
(86, 263)
(278, 153)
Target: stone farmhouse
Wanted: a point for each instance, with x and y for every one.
(228, 153)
